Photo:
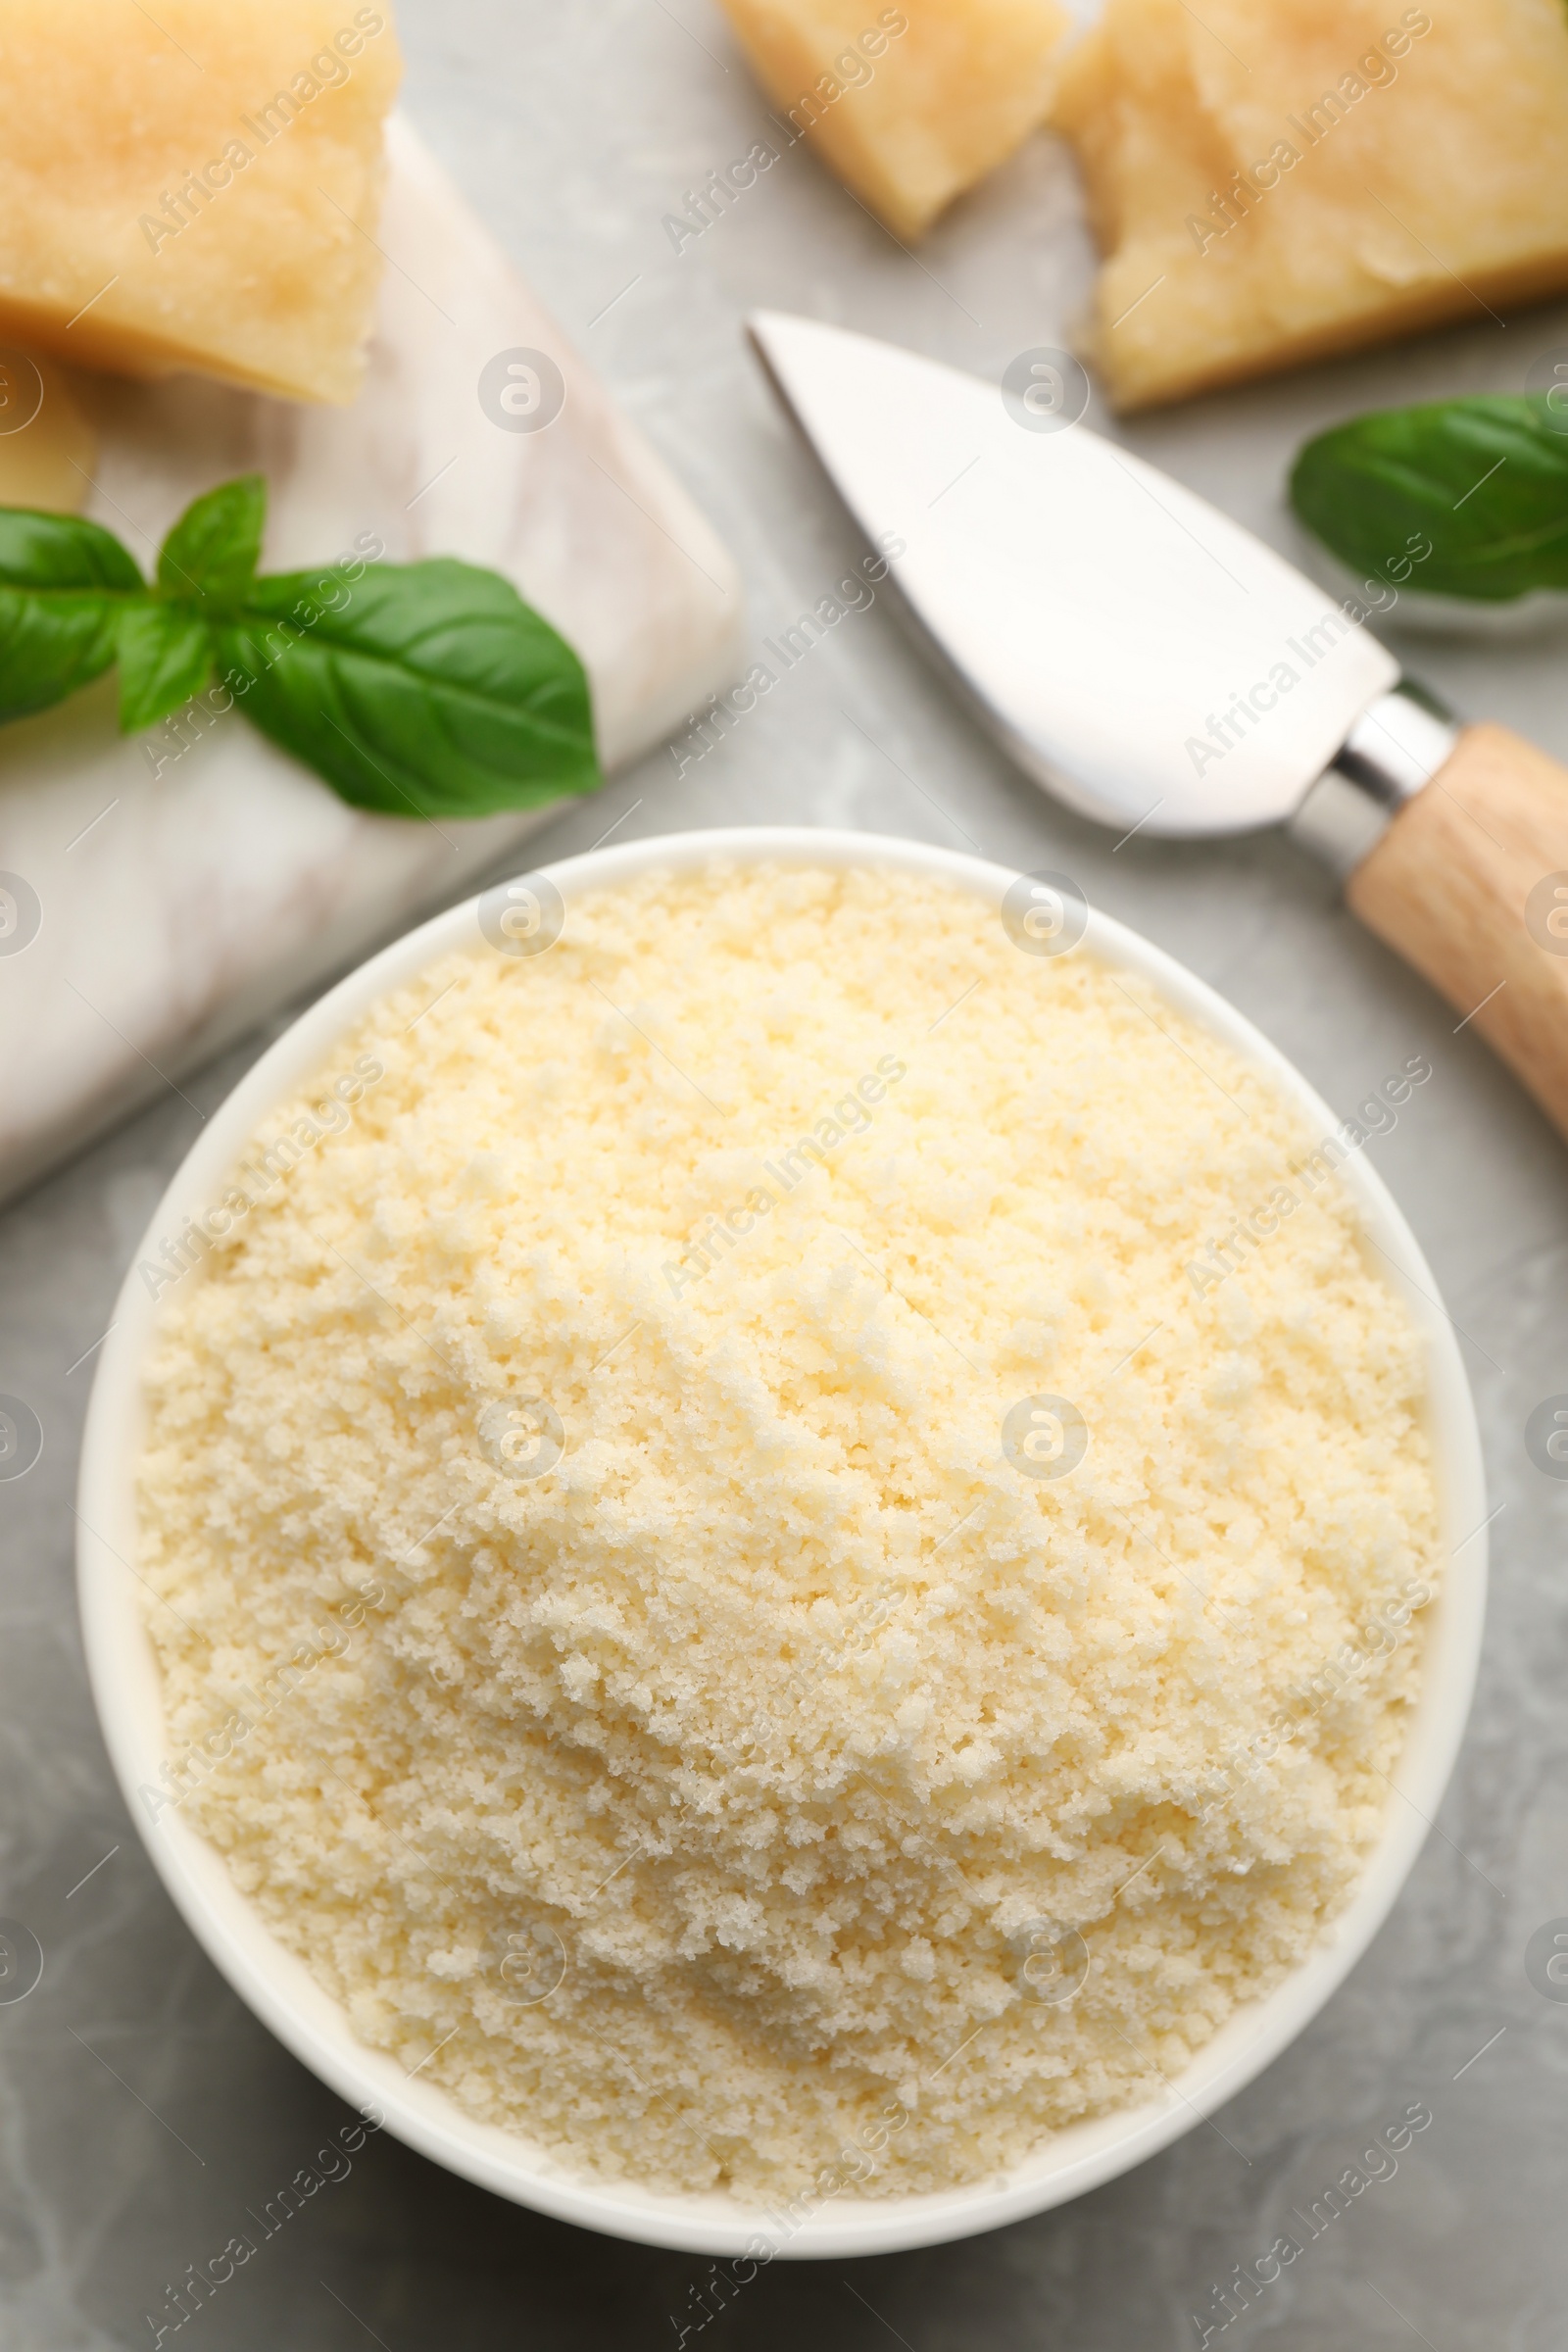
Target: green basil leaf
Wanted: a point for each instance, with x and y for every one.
(166, 656)
(424, 690)
(46, 552)
(1483, 481)
(214, 547)
(63, 587)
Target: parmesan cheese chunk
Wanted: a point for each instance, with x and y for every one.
(791, 1536)
(1273, 181)
(195, 186)
(909, 105)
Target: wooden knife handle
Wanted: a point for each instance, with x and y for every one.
(1470, 884)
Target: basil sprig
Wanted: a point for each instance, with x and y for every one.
(417, 689)
(1483, 479)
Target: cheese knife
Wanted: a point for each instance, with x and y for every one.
(1160, 670)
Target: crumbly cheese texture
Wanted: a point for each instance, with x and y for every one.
(703, 1800)
(1260, 175)
(196, 185)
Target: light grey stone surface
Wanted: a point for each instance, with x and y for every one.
(142, 2110)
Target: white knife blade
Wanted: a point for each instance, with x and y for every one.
(1143, 656)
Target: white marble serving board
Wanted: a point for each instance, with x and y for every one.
(178, 909)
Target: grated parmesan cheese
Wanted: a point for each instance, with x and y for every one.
(617, 1646)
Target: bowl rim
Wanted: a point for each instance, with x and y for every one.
(276, 1986)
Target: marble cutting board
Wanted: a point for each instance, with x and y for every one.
(177, 909)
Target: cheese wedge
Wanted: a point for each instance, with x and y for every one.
(1272, 180)
(909, 105)
(195, 186)
(48, 450)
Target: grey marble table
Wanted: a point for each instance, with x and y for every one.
(142, 2108)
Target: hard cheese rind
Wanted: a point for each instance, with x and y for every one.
(178, 908)
(195, 188)
(909, 105)
(1281, 180)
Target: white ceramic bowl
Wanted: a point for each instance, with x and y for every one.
(277, 1984)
